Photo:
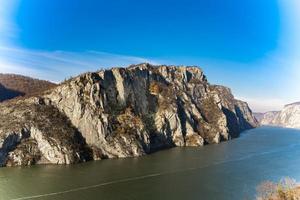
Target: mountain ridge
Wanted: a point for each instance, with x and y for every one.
(120, 112)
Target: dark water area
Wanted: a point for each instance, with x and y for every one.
(230, 170)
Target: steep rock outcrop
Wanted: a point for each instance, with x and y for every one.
(124, 112)
(266, 118)
(239, 116)
(288, 117)
(31, 132)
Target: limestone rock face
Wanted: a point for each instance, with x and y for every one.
(121, 112)
(266, 118)
(288, 117)
(31, 132)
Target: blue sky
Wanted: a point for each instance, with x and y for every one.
(249, 46)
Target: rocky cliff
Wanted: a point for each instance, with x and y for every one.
(288, 117)
(266, 118)
(121, 112)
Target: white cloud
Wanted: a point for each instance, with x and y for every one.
(58, 65)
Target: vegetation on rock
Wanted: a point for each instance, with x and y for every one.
(12, 86)
(286, 189)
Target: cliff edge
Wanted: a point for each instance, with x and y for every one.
(120, 112)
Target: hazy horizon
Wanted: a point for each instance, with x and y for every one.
(249, 46)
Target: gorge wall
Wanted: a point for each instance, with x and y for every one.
(288, 117)
(120, 112)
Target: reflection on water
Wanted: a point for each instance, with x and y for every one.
(230, 170)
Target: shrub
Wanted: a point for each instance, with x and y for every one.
(286, 189)
(154, 88)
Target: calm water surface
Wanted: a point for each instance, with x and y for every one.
(229, 171)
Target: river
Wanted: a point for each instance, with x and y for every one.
(230, 171)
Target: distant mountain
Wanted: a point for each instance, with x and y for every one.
(12, 86)
(288, 117)
(266, 118)
(120, 112)
(259, 116)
